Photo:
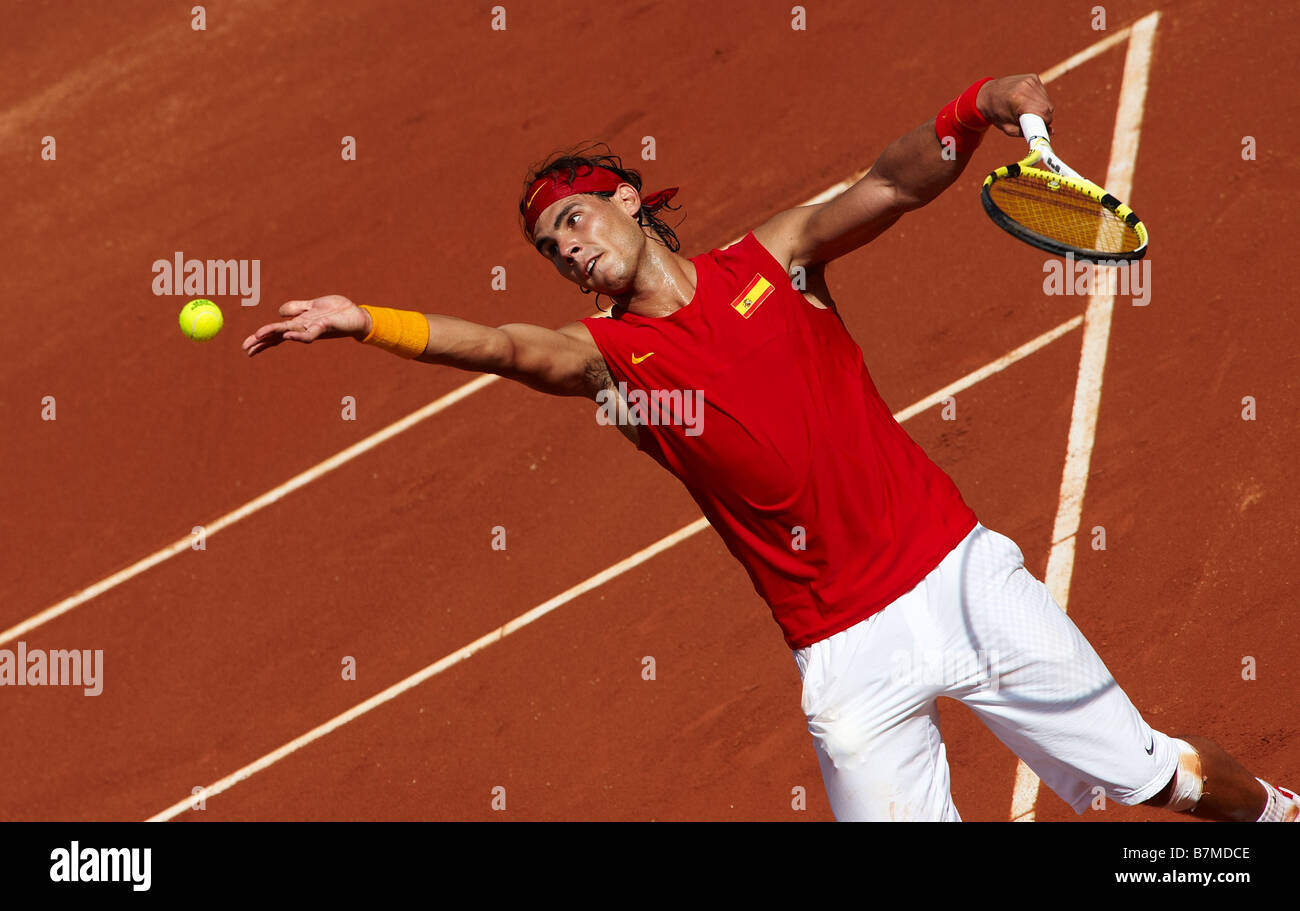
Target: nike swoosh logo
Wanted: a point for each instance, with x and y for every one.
(1151, 744)
(637, 360)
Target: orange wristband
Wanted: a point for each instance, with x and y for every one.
(403, 332)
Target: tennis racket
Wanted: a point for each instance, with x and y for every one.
(1058, 210)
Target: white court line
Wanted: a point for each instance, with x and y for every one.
(1092, 363)
(546, 607)
(1085, 55)
(415, 417)
(252, 506)
(1045, 77)
(437, 667)
(988, 369)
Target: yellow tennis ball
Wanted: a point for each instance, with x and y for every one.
(200, 319)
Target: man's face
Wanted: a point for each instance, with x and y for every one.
(592, 241)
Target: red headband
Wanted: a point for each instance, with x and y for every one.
(551, 188)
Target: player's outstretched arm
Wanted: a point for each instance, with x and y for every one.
(555, 361)
(910, 172)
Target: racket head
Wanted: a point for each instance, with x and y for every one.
(1062, 214)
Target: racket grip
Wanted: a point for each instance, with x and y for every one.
(1033, 128)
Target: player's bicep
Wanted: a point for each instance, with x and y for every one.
(825, 231)
(553, 361)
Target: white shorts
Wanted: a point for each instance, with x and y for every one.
(979, 629)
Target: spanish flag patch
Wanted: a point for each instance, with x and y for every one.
(754, 294)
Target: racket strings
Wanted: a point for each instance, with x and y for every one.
(1063, 214)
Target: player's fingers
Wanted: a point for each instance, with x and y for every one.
(294, 330)
(293, 308)
(259, 346)
(310, 332)
(303, 331)
(278, 328)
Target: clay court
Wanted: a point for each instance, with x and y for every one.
(328, 539)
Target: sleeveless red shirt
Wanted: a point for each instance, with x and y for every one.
(794, 458)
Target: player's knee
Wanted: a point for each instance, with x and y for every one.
(1184, 790)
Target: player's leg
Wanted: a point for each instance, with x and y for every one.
(876, 729)
(1047, 695)
(900, 776)
(1054, 703)
(1210, 784)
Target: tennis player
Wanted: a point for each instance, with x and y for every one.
(746, 385)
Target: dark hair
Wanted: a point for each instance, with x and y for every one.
(598, 155)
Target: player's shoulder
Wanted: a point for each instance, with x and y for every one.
(774, 244)
(780, 234)
(766, 251)
(578, 331)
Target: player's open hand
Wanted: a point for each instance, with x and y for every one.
(331, 316)
(1002, 101)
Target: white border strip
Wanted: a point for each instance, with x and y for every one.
(1092, 364)
(1085, 55)
(437, 667)
(252, 506)
(988, 369)
(1045, 77)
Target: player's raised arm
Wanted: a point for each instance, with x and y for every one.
(911, 171)
(554, 361)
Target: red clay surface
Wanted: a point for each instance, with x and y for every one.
(225, 144)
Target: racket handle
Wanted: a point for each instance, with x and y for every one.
(1033, 128)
